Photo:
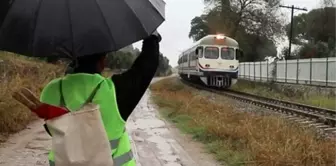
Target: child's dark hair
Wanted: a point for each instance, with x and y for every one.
(87, 64)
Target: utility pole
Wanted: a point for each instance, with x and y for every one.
(291, 29)
(290, 40)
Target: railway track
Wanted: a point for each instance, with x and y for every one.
(321, 118)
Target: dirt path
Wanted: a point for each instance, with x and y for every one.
(157, 143)
(154, 141)
(27, 148)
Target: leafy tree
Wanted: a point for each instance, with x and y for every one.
(164, 68)
(327, 3)
(199, 28)
(120, 60)
(250, 16)
(318, 27)
(124, 60)
(300, 25)
(253, 23)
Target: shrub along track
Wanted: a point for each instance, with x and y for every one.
(321, 118)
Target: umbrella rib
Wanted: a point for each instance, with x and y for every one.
(136, 16)
(10, 8)
(71, 31)
(35, 25)
(105, 21)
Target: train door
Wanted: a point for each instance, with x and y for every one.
(239, 54)
(198, 55)
(189, 59)
(193, 60)
(185, 62)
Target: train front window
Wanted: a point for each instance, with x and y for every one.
(211, 53)
(227, 53)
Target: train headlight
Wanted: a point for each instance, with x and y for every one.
(220, 36)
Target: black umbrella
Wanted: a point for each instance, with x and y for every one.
(41, 28)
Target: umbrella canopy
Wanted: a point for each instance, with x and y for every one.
(42, 28)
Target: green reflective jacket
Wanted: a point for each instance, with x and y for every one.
(76, 88)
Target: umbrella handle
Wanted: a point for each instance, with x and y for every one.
(157, 34)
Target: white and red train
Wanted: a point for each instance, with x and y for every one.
(212, 60)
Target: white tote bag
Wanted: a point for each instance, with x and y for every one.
(79, 138)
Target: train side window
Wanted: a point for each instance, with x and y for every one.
(211, 53)
(192, 55)
(199, 52)
(185, 58)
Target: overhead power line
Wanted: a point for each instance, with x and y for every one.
(291, 34)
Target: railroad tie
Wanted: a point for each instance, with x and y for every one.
(306, 122)
(321, 126)
(329, 129)
(321, 119)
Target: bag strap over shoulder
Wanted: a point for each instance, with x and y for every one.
(93, 93)
(62, 101)
(89, 100)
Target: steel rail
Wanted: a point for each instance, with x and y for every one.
(319, 115)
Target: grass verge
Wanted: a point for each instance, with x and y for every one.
(240, 138)
(287, 93)
(17, 72)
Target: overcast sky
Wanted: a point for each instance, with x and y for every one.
(179, 13)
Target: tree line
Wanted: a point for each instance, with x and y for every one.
(315, 32)
(257, 24)
(253, 23)
(124, 58)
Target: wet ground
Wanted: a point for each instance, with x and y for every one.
(158, 143)
(155, 143)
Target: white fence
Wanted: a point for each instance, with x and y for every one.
(315, 71)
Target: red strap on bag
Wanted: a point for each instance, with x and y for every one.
(46, 111)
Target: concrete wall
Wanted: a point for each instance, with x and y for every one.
(315, 71)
